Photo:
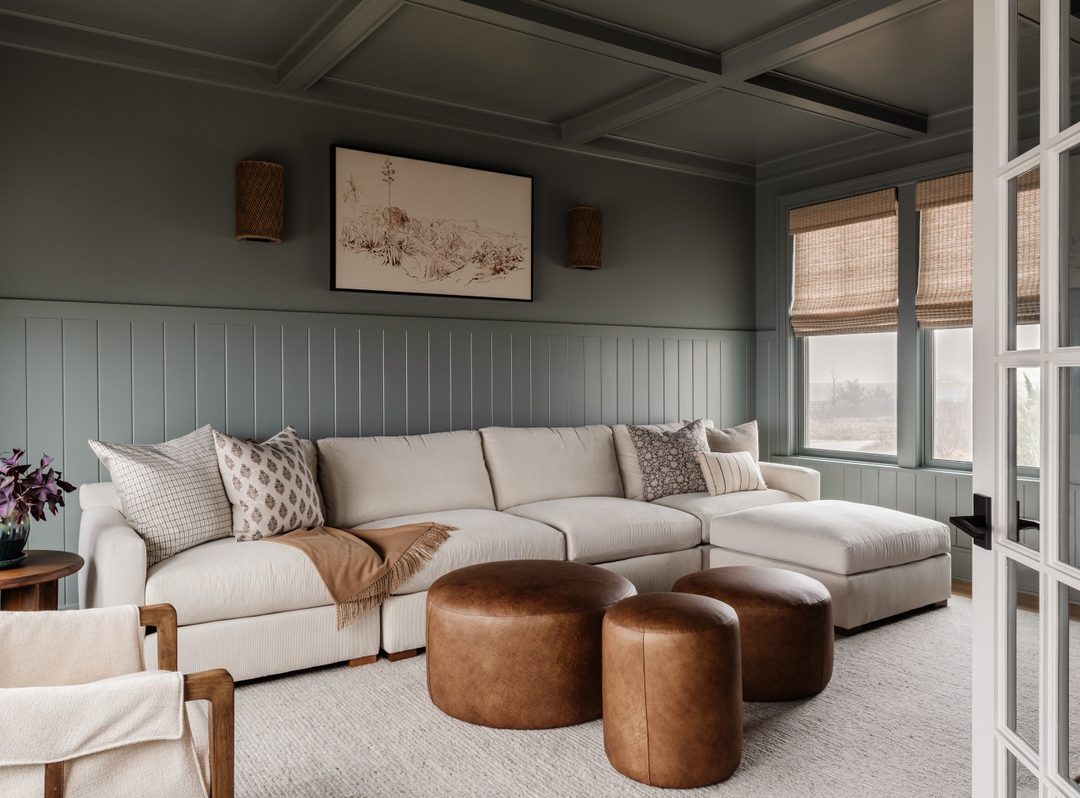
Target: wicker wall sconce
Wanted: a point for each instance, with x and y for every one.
(260, 201)
(584, 237)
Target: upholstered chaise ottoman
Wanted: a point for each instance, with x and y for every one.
(516, 644)
(874, 561)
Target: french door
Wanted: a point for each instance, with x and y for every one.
(1026, 591)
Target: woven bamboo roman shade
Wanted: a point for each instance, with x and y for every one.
(945, 246)
(845, 265)
(1028, 243)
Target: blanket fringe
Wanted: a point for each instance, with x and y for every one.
(398, 574)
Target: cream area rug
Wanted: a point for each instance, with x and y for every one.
(894, 721)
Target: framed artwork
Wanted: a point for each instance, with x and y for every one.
(408, 226)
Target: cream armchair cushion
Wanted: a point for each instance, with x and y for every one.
(73, 692)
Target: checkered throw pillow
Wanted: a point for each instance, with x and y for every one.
(269, 485)
(170, 493)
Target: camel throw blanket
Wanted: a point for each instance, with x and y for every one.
(361, 568)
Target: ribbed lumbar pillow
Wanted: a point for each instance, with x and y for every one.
(730, 472)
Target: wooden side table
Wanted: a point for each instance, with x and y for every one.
(32, 585)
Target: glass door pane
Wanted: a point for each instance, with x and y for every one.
(1023, 652)
(1070, 245)
(1069, 675)
(1021, 781)
(1069, 501)
(1070, 63)
(1025, 241)
(1025, 411)
(1024, 77)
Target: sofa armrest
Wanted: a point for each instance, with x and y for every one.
(115, 555)
(804, 482)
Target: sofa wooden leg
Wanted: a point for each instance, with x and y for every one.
(940, 604)
(356, 661)
(397, 656)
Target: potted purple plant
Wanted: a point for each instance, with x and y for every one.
(25, 494)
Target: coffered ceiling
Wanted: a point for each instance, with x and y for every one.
(725, 88)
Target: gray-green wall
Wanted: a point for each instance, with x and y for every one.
(128, 312)
(117, 186)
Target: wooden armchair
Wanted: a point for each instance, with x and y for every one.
(49, 653)
(215, 686)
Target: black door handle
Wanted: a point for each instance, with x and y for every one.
(976, 525)
(1025, 523)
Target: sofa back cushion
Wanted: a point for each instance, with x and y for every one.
(368, 479)
(534, 464)
(627, 455)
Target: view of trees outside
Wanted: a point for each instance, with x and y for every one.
(1027, 417)
(952, 394)
(851, 393)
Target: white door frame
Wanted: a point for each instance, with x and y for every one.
(992, 740)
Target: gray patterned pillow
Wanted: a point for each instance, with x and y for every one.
(669, 459)
(170, 493)
(269, 485)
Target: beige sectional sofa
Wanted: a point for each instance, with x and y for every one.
(510, 493)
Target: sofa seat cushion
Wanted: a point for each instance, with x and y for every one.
(836, 536)
(227, 579)
(708, 508)
(605, 528)
(479, 536)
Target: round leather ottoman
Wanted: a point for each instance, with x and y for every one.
(786, 626)
(516, 644)
(672, 690)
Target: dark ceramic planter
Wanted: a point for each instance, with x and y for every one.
(13, 538)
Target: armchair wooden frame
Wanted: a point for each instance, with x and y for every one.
(215, 686)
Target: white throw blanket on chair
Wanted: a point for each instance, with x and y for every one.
(72, 690)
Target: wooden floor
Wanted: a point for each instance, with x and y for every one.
(1025, 601)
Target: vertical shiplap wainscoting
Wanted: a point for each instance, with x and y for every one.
(931, 493)
(143, 374)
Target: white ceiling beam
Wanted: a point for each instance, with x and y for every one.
(333, 38)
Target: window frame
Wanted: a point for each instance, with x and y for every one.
(926, 344)
(802, 422)
(914, 359)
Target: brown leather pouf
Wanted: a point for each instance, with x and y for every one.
(516, 645)
(672, 690)
(786, 623)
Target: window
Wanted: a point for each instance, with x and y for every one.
(943, 307)
(844, 309)
(850, 393)
(845, 315)
(950, 405)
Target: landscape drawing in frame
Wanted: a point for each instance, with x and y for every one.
(403, 225)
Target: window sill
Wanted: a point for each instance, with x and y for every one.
(810, 459)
